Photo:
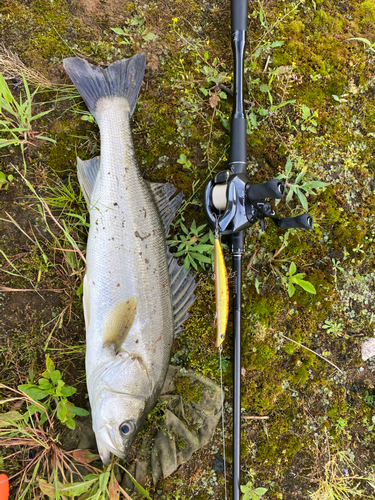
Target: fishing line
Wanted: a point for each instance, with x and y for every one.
(222, 420)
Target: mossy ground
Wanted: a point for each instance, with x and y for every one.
(313, 411)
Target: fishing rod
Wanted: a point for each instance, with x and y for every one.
(231, 205)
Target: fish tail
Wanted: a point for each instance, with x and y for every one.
(121, 79)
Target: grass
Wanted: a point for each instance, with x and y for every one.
(342, 479)
(16, 119)
(33, 442)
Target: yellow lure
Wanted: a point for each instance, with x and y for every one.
(222, 293)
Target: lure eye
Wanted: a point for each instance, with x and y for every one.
(127, 428)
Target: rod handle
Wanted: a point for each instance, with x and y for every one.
(304, 221)
(271, 189)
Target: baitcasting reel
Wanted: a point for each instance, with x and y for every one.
(232, 204)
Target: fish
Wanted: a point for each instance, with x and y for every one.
(135, 294)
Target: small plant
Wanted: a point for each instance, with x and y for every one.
(196, 247)
(55, 393)
(308, 123)
(372, 426)
(332, 327)
(184, 162)
(99, 485)
(16, 118)
(341, 424)
(251, 493)
(292, 279)
(35, 452)
(135, 31)
(5, 180)
(370, 46)
(299, 184)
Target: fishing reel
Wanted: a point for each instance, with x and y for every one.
(231, 204)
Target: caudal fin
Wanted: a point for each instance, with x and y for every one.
(121, 79)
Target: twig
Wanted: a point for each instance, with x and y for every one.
(267, 63)
(254, 418)
(7, 289)
(320, 356)
(252, 258)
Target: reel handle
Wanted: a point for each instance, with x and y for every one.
(304, 221)
(273, 188)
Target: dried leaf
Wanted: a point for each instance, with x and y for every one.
(113, 487)
(213, 100)
(84, 456)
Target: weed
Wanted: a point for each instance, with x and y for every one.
(292, 279)
(34, 446)
(308, 122)
(194, 246)
(16, 119)
(99, 485)
(251, 493)
(55, 393)
(5, 180)
(331, 326)
(370, 47)
(184, 162)
(46, 467)
(135, 32)
(372, 426)
(338, 483)
(299, 185)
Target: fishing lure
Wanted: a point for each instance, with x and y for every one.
(221, 293)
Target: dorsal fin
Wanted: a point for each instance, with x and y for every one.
(167, 207)
(118, 324)
(183, 285)
(87, 172)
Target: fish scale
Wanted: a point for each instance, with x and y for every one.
(131, 314)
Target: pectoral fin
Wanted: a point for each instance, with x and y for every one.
(118, 324)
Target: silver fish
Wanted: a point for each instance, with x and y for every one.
(135, 295)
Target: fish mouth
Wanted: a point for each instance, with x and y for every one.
(105, 440)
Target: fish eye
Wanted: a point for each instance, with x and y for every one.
(127, 428)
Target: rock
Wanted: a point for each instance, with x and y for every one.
(368, 349)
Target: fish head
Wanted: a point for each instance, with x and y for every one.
(116, 422)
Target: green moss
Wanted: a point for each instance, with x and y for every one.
(62, 156)
(367, 12)
(300, 376)
(314, 97)
(263, 308)
(260, 358)
(281, 448)
(190, 391)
